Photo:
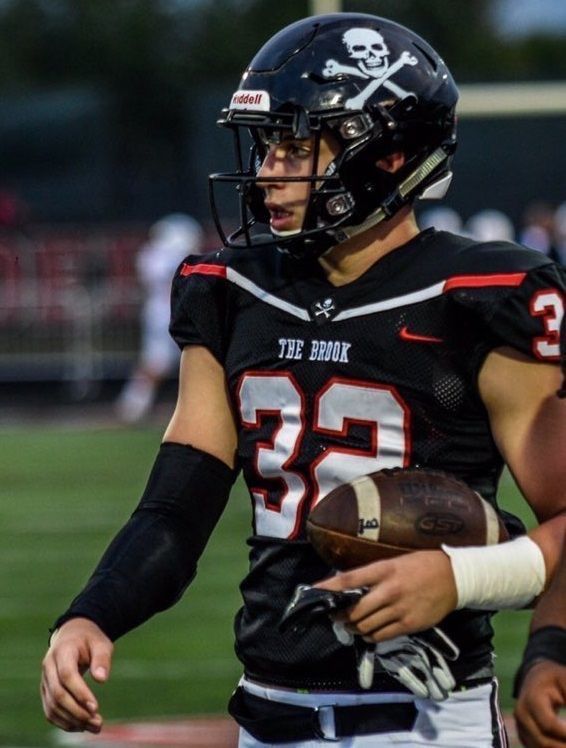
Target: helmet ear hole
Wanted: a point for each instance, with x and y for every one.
(392, 163)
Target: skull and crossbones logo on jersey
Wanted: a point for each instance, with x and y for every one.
(367, 48)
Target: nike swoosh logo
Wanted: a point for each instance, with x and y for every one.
(414, 337)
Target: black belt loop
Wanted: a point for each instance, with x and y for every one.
(274, 721)
(366, 719)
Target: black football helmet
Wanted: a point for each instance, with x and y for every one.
(378, 88)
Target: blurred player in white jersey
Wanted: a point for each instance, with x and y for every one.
(170, 240)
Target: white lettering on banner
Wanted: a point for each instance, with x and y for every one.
(256, 100)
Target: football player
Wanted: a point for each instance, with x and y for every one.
(327, 339)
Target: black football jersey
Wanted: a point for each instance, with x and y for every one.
(329, 383)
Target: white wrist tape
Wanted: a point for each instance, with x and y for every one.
(495, 577)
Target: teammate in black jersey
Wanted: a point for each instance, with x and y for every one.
(330, 338)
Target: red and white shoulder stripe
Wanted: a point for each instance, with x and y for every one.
(414, 297)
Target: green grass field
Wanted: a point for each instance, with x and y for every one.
(65, 492)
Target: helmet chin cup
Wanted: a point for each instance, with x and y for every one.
(285, 234)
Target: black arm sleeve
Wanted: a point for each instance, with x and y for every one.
(153, 558)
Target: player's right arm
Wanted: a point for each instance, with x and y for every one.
(153, 558)
(203, 415)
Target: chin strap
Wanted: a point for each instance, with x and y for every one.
(423, 171)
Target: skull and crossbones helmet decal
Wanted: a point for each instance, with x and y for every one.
(378, 88)
(368, 48)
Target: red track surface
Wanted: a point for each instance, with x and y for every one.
(200, 732)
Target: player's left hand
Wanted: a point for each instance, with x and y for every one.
(542, 695)
(406, 594)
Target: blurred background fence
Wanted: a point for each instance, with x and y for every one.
(68, 303)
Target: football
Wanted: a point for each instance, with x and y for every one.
(390, 512)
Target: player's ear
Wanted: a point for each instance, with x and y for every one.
(392, 163)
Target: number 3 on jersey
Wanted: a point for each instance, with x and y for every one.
(549, 305)
(338, 406)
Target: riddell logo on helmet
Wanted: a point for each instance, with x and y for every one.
(258, 100)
